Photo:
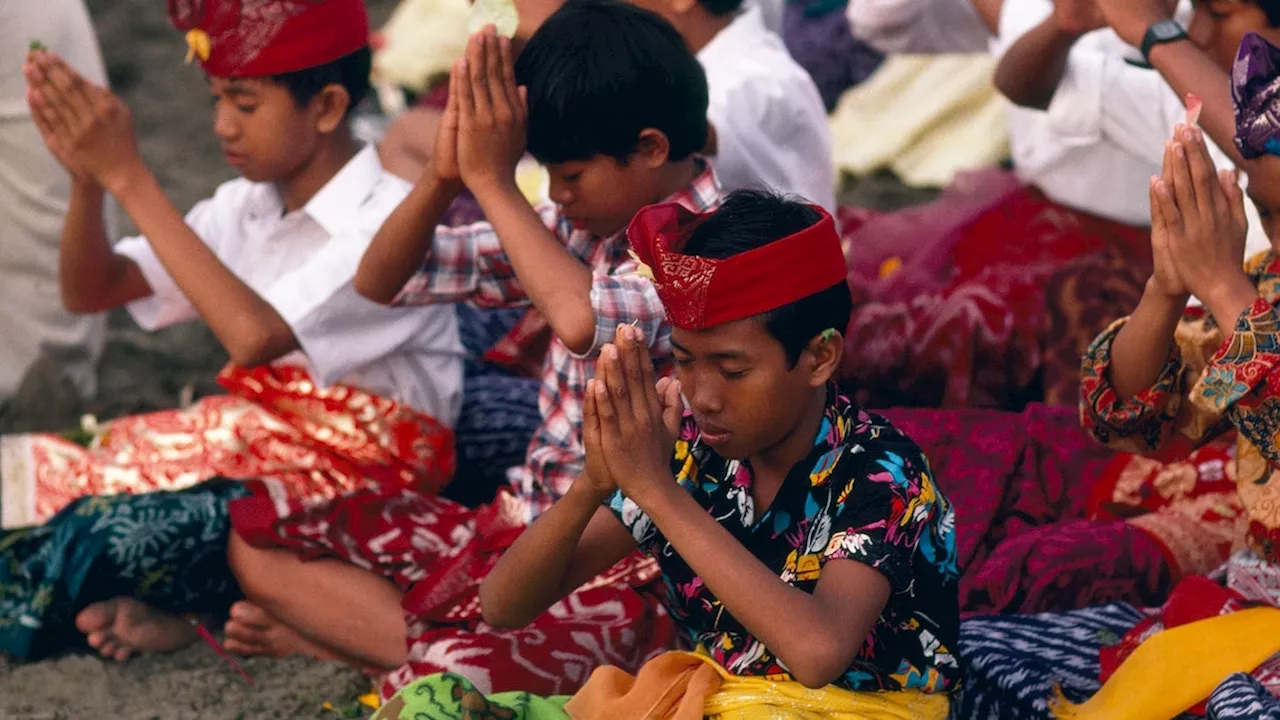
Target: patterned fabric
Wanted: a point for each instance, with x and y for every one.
(865, 493)
(1014, 662)
(1241, 697)
(468, 265)
(449, 696)
(969, 326)
(1211, 383)
(319, 442)
(1255, 88)
(167, 549)
(437, 552)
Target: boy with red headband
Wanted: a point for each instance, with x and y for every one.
(329, 392)
(801, 540)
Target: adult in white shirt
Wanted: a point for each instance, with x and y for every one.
(1098, 119)
(769, 126)
(34, 194)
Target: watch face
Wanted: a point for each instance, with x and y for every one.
(1167, 30)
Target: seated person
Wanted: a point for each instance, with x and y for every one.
(768, 123)
(802, 541)
(324, 383)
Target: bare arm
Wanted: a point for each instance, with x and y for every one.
(568, 545)
(398, 248)
(250, 329)
(1142, 346)
(1030, 70)
(92, 277)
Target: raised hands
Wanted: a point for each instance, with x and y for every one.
(1199, 227)
(630, 422)
(482, 136)
(86, 127)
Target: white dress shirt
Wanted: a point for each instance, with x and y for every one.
(919, 27)
(771, 126)
(303, 264)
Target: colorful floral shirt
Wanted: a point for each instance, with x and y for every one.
(865, 493)
(1212, 383)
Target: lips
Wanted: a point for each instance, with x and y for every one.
(235, 159)
(713, 434)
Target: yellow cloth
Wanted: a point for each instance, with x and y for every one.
(1179, 667)
(690, 686)
(926, 118)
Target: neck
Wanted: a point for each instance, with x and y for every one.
(675, 177)
(330, 157)
(774, 462)
(700, 27)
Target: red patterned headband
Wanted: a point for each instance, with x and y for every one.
(701, 292)
(259, 38)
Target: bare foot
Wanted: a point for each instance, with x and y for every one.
(118, 628)
(253, 631)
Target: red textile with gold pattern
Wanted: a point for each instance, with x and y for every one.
(277, 423)
(437, 552)
(259, 38)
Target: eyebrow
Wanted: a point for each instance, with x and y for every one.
(728, 355)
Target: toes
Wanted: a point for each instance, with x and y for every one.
(98, 638)
(97, 616)
(108, 648)
(241, 647)
(122, 655)
(248, 614)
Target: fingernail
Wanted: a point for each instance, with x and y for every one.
(1177, 149)
(611, 352)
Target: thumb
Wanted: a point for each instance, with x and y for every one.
(672, 405)
(1235, 197)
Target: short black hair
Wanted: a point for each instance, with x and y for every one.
(1272, 9)
(721, 7)
(350, 71)
(598, 72)
(749, 219)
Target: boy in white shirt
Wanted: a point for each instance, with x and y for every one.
(769, 126)
(330, 392)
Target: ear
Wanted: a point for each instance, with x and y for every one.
(653, 149)
(822, 357)
(330, 107)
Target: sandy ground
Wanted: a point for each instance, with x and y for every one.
(142, 372)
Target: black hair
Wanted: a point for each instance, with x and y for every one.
(721, 7)
(1272, 9)
(351, 71)
(598, 72)
(749, 219)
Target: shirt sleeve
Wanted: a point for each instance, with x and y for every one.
(1208, 386)
(468, 264)
(626, 298)
(167, 304)
(888, 509)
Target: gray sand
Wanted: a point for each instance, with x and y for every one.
(143, 372)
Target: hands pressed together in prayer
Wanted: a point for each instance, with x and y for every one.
(630, 422)
(86, 127)
(1198, 229)
(482, 135)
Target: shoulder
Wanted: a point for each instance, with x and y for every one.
(877, 452)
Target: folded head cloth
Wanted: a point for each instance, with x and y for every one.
(700, 292)
(258, 38)
(1255, 88)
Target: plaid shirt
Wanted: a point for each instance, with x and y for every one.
(467, 264)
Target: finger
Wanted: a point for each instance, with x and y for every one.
(73, 88)
(450, 120)
(591, 418)
(1171, 218)
(637, 392)
(56, 89)
(508, 72)
(1204, 183)
(1157, 216)
(1234, 196)
(1183, 190)
(672, 405)
(645, 361)
(466, 102)
(496, 76)
(46, 114)
(606, 418)
(477, 65)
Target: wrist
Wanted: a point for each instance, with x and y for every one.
(1154, 295)
(499, 188)
(1228, 299)
(1135, 31)
(122, 180)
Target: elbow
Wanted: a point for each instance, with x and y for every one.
(496, 613)
(253, 346)
(367, 286)
(578, 333)
(819, 663)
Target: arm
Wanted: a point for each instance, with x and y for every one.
(572, 542)
(92, 277)
(490, 143)
(815, 635)
(1030, 70)
(398, 248)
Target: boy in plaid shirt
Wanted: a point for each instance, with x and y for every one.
(614, 104)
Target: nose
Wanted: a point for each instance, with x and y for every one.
(225, 126)
(560, 192)
(704, 397)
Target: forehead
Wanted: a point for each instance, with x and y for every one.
(594, 165)
(746, 338)
(261, 87)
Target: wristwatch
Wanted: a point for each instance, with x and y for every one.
(1165, 31)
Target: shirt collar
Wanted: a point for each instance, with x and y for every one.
(335, 205)
(703, 193)
(747, 23)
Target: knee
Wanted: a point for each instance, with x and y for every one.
(257, 571)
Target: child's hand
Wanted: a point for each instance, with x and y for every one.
(1164, 275)
(446, 156)
(491, 113)
(86, 127)
(1202, 216)
(637, 422)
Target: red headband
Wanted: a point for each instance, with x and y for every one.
(701, 293)
(258, 38)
